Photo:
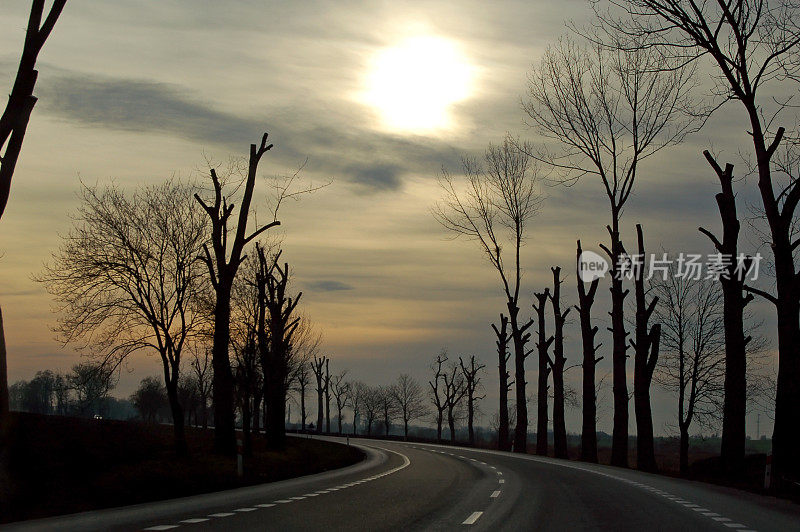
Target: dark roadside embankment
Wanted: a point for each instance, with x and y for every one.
(59, 465)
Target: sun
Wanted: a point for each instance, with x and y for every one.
(414, 84)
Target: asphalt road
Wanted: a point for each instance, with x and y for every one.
(430, 487)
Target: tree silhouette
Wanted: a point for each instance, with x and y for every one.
(126, 277)
(410, 399)
(472, 383)
(606, 111)
(13, 125)
(545, 364)
(503, 441)
(498, 204)
(222, 267)
(588, 332)
(557, 367)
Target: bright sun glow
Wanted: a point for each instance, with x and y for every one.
(414, 83)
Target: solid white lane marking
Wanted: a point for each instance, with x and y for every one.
(474, 516)
(193, 521)
(221, 514)
(162, 527)
(495, 494)
(245, 509)
(266, 505)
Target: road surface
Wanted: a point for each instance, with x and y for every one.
(430, 487)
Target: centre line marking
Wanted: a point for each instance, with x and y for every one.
(472, 518)
(495, 494)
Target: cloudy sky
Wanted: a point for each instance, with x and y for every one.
(135, 91)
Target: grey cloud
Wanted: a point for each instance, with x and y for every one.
(330, 286)
(379, 176)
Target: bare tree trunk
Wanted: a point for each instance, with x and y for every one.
(3, 380)
(181, 448)
(589, 428)
(619, 439)
(734, 407)
(303, 412)
(543, 344)
(247, 436)
(519, 337)
(559, 360)
(257, 412)
(503, 442)
(645, 358)
(439, 421)
(684, 450)
(222, 391)
(451, 423)
(327, 396)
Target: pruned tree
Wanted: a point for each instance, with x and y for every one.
(645, 346)
(222, 268)
(503, 441)
(410, 400)
(589, 363)
(750, 45)
(318, 367)
(559, 361)
(342, 396)
(602, 113)
(438, 391)
(284, 339)
(499, 202)
(126, 278)
(13, 125)
(545, 365)
(455, 388)
(472, 383)
(327, 396)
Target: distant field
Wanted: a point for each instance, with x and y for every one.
(63, 465)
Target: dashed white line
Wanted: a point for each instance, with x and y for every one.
(501, 481)
(222, 514)
(266, 505)
(245, 509)
(162, 527)
(196, 520)
(474, 516)
(495, 494)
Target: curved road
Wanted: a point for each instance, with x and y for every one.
(431, 487)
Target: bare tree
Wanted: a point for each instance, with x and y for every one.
(342, 391)
(13, 125)
(645, 346)
(357, 397)
(410, 400)
(126, 277)
(438, 391)
(472, 383)
(92, 383)
(302, 375)
(222, 268)
(545, 364)
(751, 44)
(693, 359)
(588, 333)
(388, 407)
(371, 404)
(318, 367)
(607, 111)
(503, 441)
(559, 361)
(202, 377)
(494, 210)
